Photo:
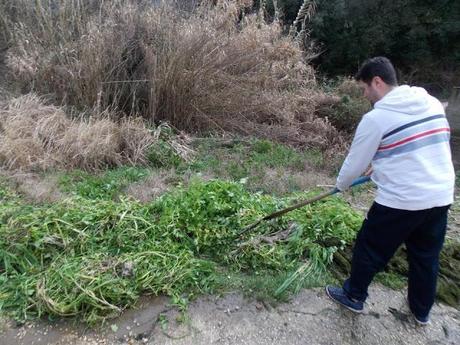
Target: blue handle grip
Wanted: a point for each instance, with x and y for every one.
(359, 180)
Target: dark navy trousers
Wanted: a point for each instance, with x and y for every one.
(382, 232)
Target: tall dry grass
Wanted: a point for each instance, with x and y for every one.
(36, 137)
(214, 68)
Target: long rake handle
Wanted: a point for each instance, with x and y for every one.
(286, 210)
(279, 213)
(298, 205)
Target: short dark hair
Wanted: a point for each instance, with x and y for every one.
(378, 66)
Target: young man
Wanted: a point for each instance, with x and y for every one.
(406, 140)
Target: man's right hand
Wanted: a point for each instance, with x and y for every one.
(369, 172)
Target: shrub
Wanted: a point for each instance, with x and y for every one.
(344, 105)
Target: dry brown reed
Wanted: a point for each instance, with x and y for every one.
(215, 68)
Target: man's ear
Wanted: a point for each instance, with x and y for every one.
(377, 81)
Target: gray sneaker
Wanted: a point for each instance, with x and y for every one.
(422, 321)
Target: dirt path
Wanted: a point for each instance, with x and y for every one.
(309, 318)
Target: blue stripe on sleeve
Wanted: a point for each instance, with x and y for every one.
(414, 123)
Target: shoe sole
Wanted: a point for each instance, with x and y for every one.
(356, 311)
(417, 321)
(421, 323)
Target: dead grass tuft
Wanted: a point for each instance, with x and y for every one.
(284, 181)
(37, 137)
(152, 187)
(35, 188)
(160, 181)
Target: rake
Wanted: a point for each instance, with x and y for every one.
(358, 181)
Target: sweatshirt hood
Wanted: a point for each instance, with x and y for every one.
(406, 99)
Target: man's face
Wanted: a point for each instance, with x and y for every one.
(370, 91)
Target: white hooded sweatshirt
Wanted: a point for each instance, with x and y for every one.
(406, 139)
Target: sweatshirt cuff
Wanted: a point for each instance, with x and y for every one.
(342, 186)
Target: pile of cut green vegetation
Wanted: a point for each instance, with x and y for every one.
(91, 258)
